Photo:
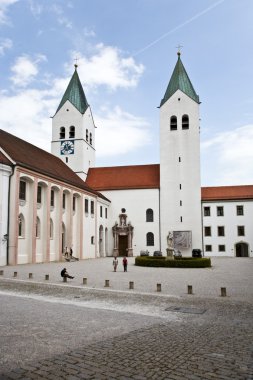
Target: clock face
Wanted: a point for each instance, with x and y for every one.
(67, 147)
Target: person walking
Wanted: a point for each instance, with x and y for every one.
(115, 263)
(124, 262)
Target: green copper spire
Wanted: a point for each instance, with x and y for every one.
(75, 94)
(180, 81)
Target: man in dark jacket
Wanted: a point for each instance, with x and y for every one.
(64, 273)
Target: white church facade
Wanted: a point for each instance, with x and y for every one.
(52, 201)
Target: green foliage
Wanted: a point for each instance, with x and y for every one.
(184, 262)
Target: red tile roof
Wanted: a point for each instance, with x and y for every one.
(227, 192)
(4, 160)
(124, 177)
(31, 157)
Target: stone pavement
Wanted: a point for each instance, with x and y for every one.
(233, 273)
(195, 337)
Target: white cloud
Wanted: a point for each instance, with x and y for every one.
(4, 4)
(5, 44)
(61, 18)
(36, 8)
(231, 154)
(119, 132)
(108, 67)
(25, 70)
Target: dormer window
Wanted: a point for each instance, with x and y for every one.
(173, 123)
(90, 138)
(62, 133)
(72, 132)
(185, 122)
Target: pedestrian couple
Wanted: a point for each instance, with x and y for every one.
(115, 264)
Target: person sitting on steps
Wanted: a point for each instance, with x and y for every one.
(65, 274)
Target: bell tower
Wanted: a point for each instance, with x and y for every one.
(73, 129)
(180, 187)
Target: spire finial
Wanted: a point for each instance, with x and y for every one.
(179, 50)
(76, 65)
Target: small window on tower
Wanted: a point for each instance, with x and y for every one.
(173, 123)
(72, 132)
(185, 122)
(90, 138)
(62, 133)
(87, 135)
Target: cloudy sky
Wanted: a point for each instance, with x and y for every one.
(126, 52)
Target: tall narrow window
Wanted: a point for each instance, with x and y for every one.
(185, 122)
(63, 201)
(52, 198)
(62, 133)
(38, 227)
(90, 138)
(22, 190)
(74, 203)
(92, 207)
(101, 211)
(87, 135)
(39, 191)
(149, 215)
(72, 132)
(86, 206)
(173, 123)
(51, 229)
(150, 239)
(106, 213)
(21, 226)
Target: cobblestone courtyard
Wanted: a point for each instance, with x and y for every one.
(51, 331)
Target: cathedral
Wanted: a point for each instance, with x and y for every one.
(53, 202)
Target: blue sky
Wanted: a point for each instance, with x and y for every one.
(126, 53)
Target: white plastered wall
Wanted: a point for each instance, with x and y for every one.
(84, 152)
(230, 221)
(136, 202)
(180, 171)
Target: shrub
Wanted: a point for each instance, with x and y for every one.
(184, 262)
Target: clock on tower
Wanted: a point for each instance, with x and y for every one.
(67, 147)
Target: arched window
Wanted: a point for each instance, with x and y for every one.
(173, 123)
(38, 227)
(87, 135)
(62, 133)
(51, 229)
(90, 138)
(185, 122)
(150, 239)
(22, 190)
(52, 198)
(21, 226)
(72, 132)
(149, 215)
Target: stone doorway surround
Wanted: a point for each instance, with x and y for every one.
(123, 229)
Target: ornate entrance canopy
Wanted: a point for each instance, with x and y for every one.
(123, 229)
